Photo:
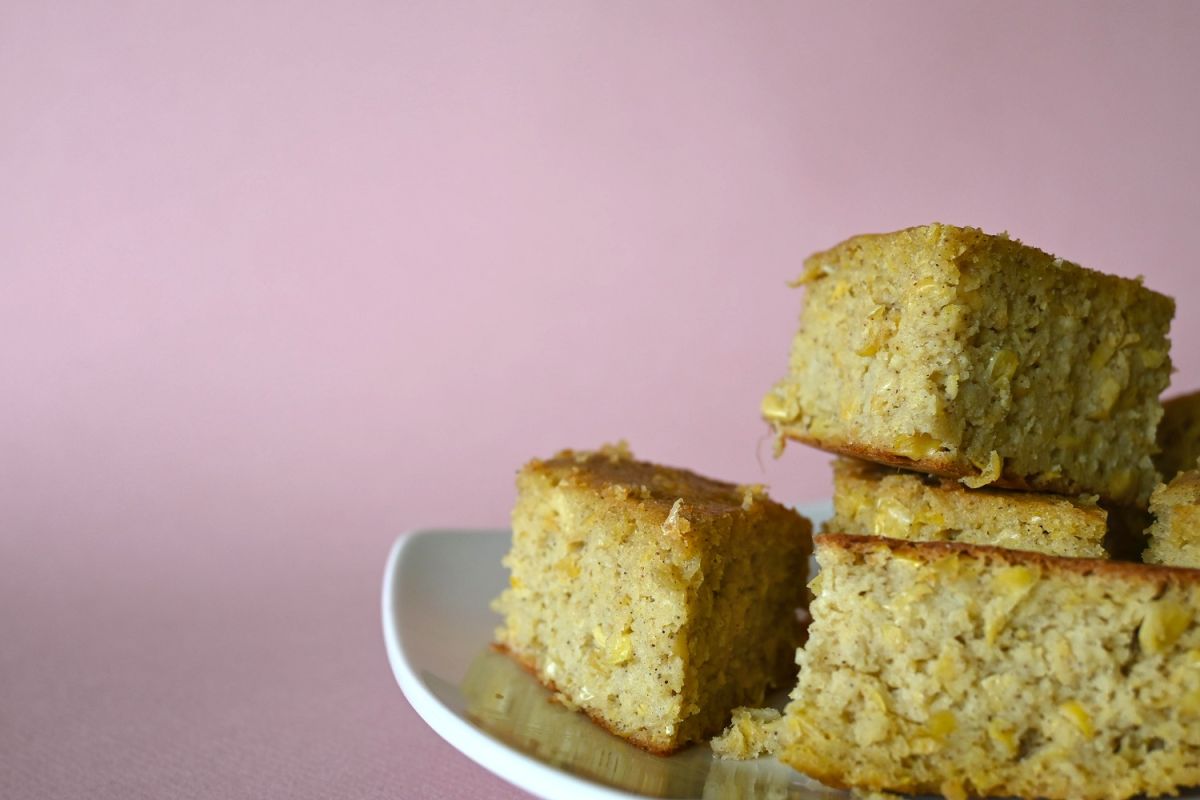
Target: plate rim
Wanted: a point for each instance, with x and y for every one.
(507, 763)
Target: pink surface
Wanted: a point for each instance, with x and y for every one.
(278, 281)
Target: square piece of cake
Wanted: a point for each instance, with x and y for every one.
(1174, 536)
(872, 499)
(652, 598)
(968, 670)
(946, 350)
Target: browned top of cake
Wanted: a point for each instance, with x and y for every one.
(965, 238)
(1183, 487)
(613, 472)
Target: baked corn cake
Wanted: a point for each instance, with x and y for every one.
(1179, 435)
(950, 351)
(973, 670)
(872, 499)
(1174, 536)
(653, 599)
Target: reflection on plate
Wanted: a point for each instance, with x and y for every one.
(507, 702)
(437, 627)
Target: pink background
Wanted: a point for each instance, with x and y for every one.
(279, 281)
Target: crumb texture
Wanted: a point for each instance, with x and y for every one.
(871, 499)
(975, 356)
(1174, 537)
(652, 598)
(753, 732)
(974, 671)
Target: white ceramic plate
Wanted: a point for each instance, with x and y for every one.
(437, 625)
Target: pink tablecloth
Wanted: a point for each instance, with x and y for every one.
(219, 664)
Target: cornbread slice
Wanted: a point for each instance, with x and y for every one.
(872, 499)
(973, 670)
(652, 598)
(949, 351)
(1175, 533)
(1179, 435)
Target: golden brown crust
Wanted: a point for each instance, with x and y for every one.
(614, 470)
(528, 665)
(948, 467)
(929, 551)
(964, 233)
(1184, 487)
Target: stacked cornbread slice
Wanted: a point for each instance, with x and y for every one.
(955, 353)
(947, 352)
(871, 499)
(996, 651)
(974, 671)
(1174, 536)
